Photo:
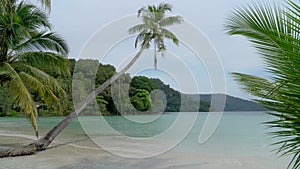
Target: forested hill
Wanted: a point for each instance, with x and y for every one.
(232, 103)
(140, 89)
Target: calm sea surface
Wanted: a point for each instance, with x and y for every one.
(240, 142)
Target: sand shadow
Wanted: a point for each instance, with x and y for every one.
(66, 143)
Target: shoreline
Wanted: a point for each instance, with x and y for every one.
(230, 147)
(68, 157)
(155, 113)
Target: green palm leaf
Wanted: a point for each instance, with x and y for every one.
(21, 95)
(274, 31)
(45, 61)
(43, 41)
(137, 28)
(50, 82)
(169, 21)
(44, 91)
(168, 34)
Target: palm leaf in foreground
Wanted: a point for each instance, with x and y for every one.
(275, 32)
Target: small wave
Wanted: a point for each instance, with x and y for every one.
(83, 147)
(18, 135)
(237, 162)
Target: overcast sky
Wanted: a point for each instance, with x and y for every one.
(79, 20)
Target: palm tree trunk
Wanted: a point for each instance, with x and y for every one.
(44, 142)
(155, 56)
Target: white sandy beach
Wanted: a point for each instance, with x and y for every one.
(237, 144)
(80, 156)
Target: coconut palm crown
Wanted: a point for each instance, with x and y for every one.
(153, 28)
(46, 4)
(274, 31)
(28, 50)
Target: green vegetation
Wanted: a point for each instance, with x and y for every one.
(233, 103)
(274, 31)
(106, 104)
(28, 51)
(141, 100)
(137, 85)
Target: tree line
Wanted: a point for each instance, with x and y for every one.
(141, 93)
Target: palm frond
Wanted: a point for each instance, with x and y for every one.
(274, 31)
(31, 17)
(50, 82)
(171, 20)
(43, 41)
(21, 95)
(137, 28)
(141, 38)
(141, 11)
(45, 61)
(44, 91)
(257, 86)
(46, 4)
(4, 76)
(168, 34)
(163, 7)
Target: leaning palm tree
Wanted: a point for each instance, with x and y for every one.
(275, 32)
(27, 51)
(153, 32)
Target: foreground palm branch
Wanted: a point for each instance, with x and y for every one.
(28, 50)
(274, 31)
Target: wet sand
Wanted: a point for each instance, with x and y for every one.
(84, 155)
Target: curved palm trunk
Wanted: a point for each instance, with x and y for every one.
(44, 142)
(155, 56)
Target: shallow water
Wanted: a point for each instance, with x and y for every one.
(239, 142)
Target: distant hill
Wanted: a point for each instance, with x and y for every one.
(232, 103)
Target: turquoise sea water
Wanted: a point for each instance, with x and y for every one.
(240, 141)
